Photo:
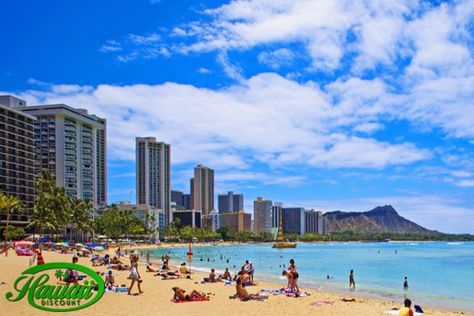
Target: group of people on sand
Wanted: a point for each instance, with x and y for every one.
(292, 276)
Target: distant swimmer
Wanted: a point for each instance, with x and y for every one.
(405, 284)
(352, 284)
(227, 260)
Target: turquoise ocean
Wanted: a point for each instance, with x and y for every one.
(440, 274)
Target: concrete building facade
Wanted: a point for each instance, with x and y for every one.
(276, 209)
(191, 218)
(293, 220)
(203, 189)
(262, 211)
(140, 211)
(17, 158)
(315, 223)
(71, 145)
(230, 202)
(238, 221)
(153, 180)
(177, 198)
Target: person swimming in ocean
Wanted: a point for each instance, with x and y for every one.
(405, 284)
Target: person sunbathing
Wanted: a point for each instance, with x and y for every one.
(226, 275)
(121, 267)
(115, 260)
(243, 295)
(212, 277)
(179, 295)
(109, 279)
(150, 269)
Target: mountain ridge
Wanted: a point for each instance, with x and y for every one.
(380, 219)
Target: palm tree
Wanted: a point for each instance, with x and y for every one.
(150, 226)
(8, 205)
(80, 217)
(52, 210)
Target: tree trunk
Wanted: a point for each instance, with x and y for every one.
(6, 234)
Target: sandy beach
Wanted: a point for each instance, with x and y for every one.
(157, 295)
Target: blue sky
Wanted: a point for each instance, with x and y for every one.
(322, 104)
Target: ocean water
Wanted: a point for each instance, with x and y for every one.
(440, 274)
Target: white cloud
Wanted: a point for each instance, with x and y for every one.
(232, 70)
(466, 183)
(367, 127)
(203, 70)
(144, 39)
(323, 27)
(110, 46)
(266, 118)
(276, 59)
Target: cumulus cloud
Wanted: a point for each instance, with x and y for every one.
(266, 118)
(276, 59)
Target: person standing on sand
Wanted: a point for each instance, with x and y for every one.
(352, 284)
(248, 266)
(135, 276)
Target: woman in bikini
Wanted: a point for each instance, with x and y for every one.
(179, 295)
(135, 276)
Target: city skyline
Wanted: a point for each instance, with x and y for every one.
(370, 107)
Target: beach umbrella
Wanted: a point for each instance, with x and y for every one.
(23, 243)
(79, 244)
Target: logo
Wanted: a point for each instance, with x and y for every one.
(45, 293)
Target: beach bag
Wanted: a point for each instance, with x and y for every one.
(418, 309)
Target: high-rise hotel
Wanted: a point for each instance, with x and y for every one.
(153, 174)
(17, 160)
(71, 145)
(203, 189)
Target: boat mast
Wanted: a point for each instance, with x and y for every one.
(280, 227)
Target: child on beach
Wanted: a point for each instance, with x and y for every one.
(406, 311)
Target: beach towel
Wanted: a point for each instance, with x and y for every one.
(321, 303)
(193, 300)
(297, 295)
(396, 312)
